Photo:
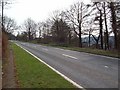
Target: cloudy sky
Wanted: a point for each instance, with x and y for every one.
(38, 10)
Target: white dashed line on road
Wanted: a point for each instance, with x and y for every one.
(59, 48)
(106, 66)
(45, 49)
(35, 46)
(69, 56)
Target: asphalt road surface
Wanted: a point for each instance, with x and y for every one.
(87, 70)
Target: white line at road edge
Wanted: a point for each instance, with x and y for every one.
(69, 56)
(68, 79)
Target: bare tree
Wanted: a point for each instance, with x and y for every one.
(40, 28)
(103, 18)
(112, 6)
(9, 24)
(77, 15)
(30, 27)
(118, 14)
(106, 39)
(99, 8)
(3, 3)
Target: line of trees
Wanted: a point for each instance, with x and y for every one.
(97, 20)
(7, 24)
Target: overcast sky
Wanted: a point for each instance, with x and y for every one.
(38, 10)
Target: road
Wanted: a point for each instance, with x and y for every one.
(87, 70)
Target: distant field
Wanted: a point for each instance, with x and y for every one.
(34, 74)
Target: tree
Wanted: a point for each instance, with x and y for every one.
(59, 31)
(98, 5)
(98, 11)
(22, 36)
(118, 14)
(106, 28)
(114, 22)
(30, 27)
(44, 29)
(3, 3)
(40, 28)
(2, 8)
(9, 24)
(118, 24)
(77, 15)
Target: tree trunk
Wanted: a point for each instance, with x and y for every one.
(29, 37)
(106, 33)
(101, 36)
(39, 34)
(114, 25)
(3, 29)
(96, 39)
(89, 38)
(80, 39)
(69, 38)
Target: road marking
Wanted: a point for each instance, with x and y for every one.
(59, 48)
(106, 66)
(69, 56)
(93, 54)
(65, 77)
(45, 49)
(35, 46)
(63, 49)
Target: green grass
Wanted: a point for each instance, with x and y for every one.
(34, 74)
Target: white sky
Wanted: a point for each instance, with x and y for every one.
(38, 10)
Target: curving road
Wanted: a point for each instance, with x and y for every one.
(87, 70)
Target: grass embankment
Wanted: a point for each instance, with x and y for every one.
(34, 74)
(110, 53)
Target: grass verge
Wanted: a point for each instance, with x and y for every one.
(95, 51)
(34, 74)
